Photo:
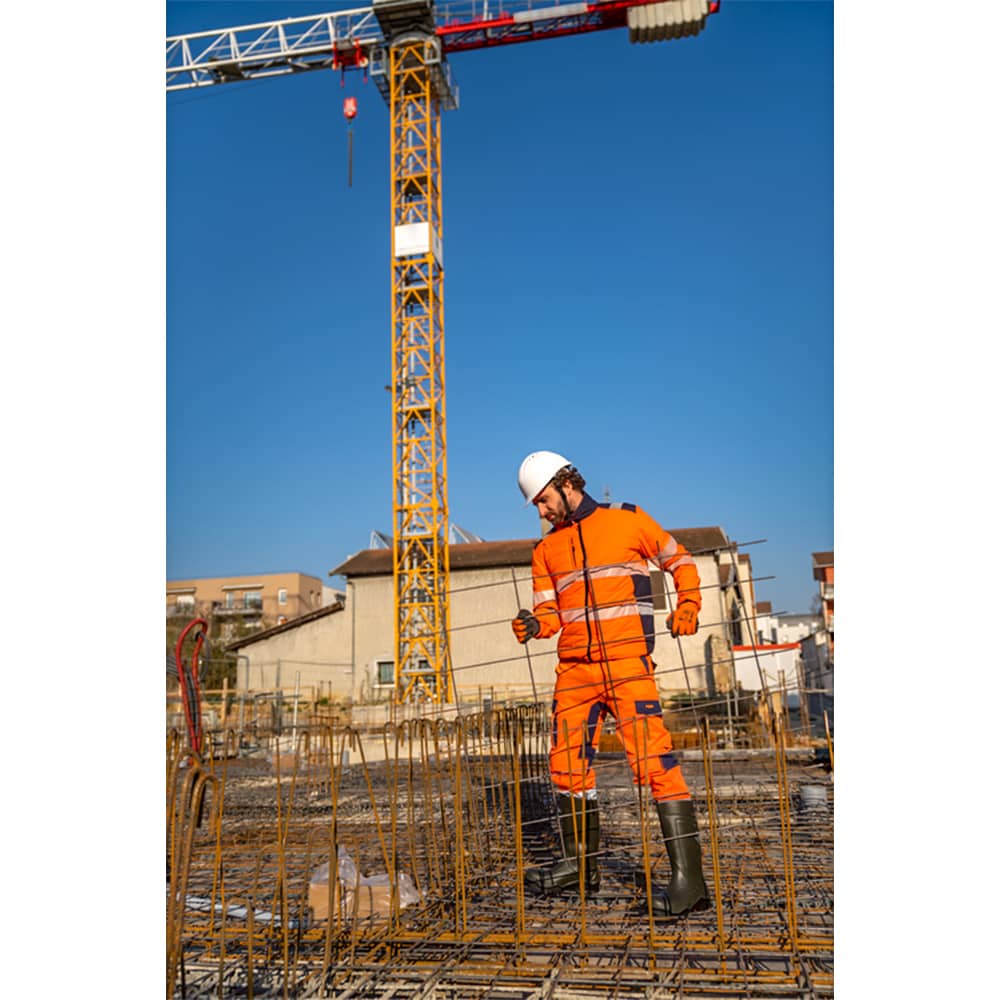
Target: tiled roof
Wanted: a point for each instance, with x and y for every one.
(698, 540)
(266, 633)
(514, 552)
(467, 555)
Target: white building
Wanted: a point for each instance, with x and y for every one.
(776, 629)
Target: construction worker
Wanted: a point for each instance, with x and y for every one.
(591, 581)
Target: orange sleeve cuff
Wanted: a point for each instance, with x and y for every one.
(688, 586)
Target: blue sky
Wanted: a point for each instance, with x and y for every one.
(639, 274)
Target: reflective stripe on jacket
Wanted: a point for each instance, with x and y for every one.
(591, 579)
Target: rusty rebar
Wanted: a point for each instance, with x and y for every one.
(462, 807)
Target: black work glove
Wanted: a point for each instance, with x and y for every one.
(525, 626)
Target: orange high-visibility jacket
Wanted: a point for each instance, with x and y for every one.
(591, 579)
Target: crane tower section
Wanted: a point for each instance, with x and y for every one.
(418, 90)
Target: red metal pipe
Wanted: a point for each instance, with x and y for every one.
(189, 683)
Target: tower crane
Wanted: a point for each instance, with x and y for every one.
(404, 45)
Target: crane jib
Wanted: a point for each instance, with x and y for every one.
(351, 39)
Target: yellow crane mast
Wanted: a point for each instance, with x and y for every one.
(417, 89)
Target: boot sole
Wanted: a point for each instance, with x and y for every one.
(697, 907)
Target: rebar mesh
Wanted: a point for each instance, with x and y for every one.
(462, 806)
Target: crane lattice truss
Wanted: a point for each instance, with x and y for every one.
(405, 43)
(420, 550)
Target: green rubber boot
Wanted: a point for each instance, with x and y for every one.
(580, 840)
(687, 890)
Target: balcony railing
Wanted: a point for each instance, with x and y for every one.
(238, 608)
(207, 609)
(241, 608)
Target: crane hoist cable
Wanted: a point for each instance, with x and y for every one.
(354, 58)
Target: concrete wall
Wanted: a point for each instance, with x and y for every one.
(316, 654)
(721, 670)
(370, 606)
(486, 659)
(773, 663)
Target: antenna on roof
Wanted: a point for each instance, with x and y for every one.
(607, 494)
(380, 540)
(457, 535)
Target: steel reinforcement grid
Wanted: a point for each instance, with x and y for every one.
(424, 830)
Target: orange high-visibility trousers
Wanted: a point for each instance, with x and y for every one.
(584, 694)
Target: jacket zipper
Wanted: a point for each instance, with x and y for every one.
(586, 587)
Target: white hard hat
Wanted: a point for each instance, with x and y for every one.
(537, 471)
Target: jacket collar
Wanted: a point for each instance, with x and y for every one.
(586, 507)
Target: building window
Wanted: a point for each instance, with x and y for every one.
(282, 596)
(180, 604)
(735, 626)
(230, 599)
(386, 673)
(252, 599)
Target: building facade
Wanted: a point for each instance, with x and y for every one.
(235, 604)
(349, 654)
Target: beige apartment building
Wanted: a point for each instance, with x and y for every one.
(262, 600)
(347, 651)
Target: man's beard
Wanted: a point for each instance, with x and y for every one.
(562, 516)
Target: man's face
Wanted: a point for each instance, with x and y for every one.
(550, 505)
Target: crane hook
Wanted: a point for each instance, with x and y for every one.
(350, 113)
